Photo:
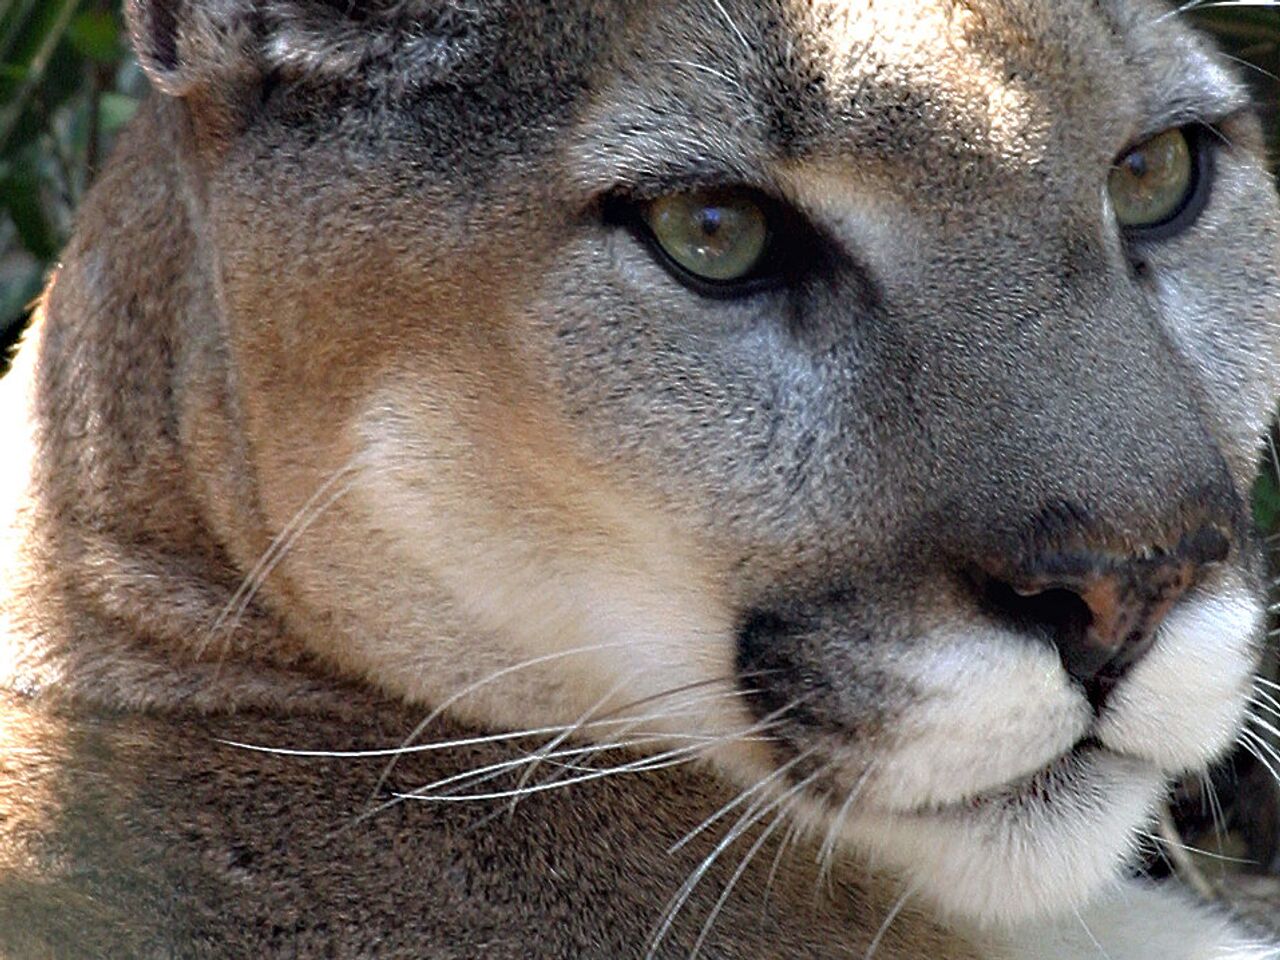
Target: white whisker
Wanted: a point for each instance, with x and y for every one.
(1198, 851)
(826, 852)
(466, 778)
(778, 772)
(1261, 696)
(281, 544)
(546, 749)
(1255, 745)
(1193, 5)
(733, 27)
(789, 838)
(703, 68)
(1252, 66)
(896, 909)
(753, 814)
(1102, 952)
(778, 818)
(472, 777)
(438, 745)
(1209, 794)
(478, 684)
(658, 761)
(1266, 725)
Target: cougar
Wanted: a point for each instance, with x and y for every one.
(585, 479)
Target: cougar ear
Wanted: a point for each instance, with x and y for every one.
(186, 44)
(218, 45)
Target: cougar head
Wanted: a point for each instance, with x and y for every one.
(869, 392)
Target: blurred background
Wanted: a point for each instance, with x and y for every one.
(68, 85)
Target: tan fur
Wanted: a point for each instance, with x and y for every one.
(346, 408)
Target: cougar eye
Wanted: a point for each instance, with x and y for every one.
(726, 241)
(718, 236)
(1159, 185)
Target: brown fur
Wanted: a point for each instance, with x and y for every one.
(371, 235)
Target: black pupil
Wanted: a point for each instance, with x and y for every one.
(710, 221)
(1136, 162)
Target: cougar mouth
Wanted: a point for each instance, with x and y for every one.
(976, 762)
(1039, 786)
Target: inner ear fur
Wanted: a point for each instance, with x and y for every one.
(185, 45)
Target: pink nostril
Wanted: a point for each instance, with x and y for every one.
(1102, 611)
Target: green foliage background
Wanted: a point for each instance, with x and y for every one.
(68, 84)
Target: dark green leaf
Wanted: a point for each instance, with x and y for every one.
(20, 196)
(95, 34)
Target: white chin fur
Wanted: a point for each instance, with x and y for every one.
(995, 710)
(1133, 919)
(1036, 851)
(1181, 705)
(993, 707)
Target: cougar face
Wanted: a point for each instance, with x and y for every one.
(936, 510)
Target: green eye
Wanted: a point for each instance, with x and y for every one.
(718, 236)
(1154, 182)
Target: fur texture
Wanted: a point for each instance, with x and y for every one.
(353, 404)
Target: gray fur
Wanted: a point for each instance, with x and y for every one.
(349, 404)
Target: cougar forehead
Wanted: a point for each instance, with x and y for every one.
(527, 455)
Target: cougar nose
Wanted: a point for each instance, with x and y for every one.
(1102, 610)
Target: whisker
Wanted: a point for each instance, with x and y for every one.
(1254, 745)
(733, 27)
(280, 545)
(659, 761)
(493, 771)
(1264, 707)
(781, 771)
(757, 811)
(393, 751)
(1266, 725)
(628, 727)
(376, 808)
(604, 699)
(652, 762)
(1260, 695)
(826, 853)
(1252, 66)
(479, 774)
(1209, 793)
(1179, 10)
(896, 909)
(704, 699)
(1167, 830)
(789, 838)
(478, 684)
(1192, 5)
(778, 818)
(1262, 742)
(536, 758)
(710, 71)
(1198, 851)
(1102, 951)
(437, 745)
